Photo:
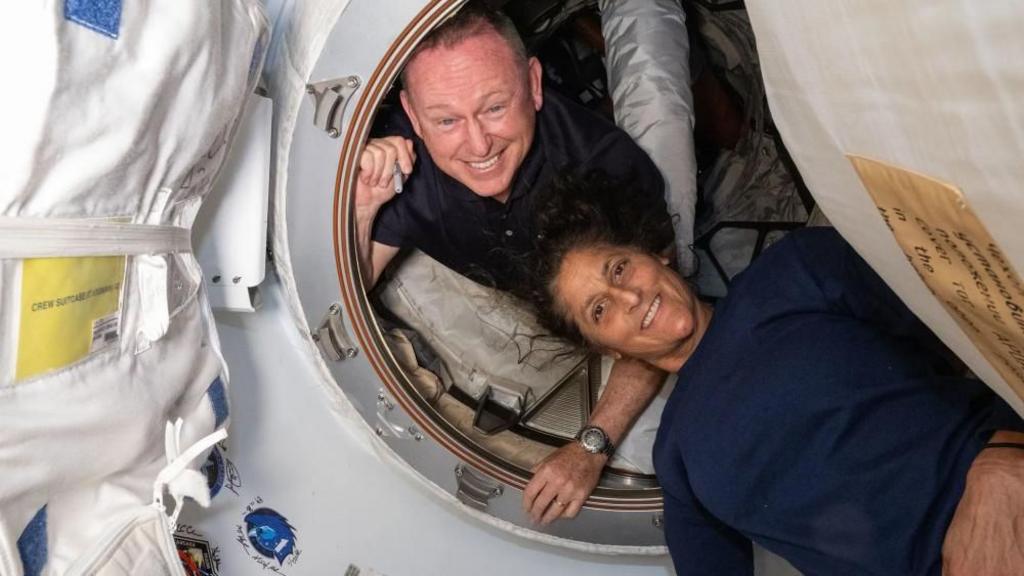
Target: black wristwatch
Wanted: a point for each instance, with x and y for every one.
(595, 441)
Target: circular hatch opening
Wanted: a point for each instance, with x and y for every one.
(465, 362)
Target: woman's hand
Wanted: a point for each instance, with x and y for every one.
(986, 536)
(561, 483)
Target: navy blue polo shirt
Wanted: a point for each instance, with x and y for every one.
(487, 240)
(821, 419)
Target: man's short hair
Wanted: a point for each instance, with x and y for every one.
(474, 18)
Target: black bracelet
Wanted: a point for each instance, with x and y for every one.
(1017, 445)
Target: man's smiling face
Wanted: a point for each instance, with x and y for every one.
(474, 104)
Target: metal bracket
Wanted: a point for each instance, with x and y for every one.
(329, 100)
(385, 427)
(474, 489)
(332, 339)
(492, 417)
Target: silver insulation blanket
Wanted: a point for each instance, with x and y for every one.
(649, 81)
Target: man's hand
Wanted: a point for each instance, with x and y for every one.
(986, 536)
(375, 185)
(561, 483)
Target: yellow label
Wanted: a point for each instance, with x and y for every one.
(70, 307)
(957, 258)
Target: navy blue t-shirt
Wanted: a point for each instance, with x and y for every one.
(487, 240)
(820, 418)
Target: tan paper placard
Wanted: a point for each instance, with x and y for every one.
(957, 258)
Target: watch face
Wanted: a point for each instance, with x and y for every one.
(593, 440)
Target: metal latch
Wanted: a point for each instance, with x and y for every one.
(475, 489)
(329, 100)
(492, 417)
(332, 339)
(385, 425)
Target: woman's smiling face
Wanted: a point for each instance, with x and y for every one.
(627, 301)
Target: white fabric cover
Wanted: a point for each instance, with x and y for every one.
(133, 125)
(649, 79)
(483, 337)
(932, 86)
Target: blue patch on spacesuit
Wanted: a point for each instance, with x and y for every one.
(103, 16)
(32, 545)
(270, 534)
(219, 400)
(213, 470)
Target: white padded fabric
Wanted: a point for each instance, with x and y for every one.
(932, 86)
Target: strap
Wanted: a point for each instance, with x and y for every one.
(64, 237)
(179, 463)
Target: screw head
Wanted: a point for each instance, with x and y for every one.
(333, 133)
(379, 431)
(352, 81)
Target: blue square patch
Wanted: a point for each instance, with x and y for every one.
(103, 16)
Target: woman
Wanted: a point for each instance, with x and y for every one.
(813, 414)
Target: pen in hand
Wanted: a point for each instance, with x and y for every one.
(397, 174)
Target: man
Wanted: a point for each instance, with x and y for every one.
(478, 136)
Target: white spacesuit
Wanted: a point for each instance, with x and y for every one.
(117, 118)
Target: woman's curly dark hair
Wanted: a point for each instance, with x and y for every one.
(581, 209)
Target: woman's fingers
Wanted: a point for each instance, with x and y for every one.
(544, 504)
(556, 509)
(573, 508)
(561, 484)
